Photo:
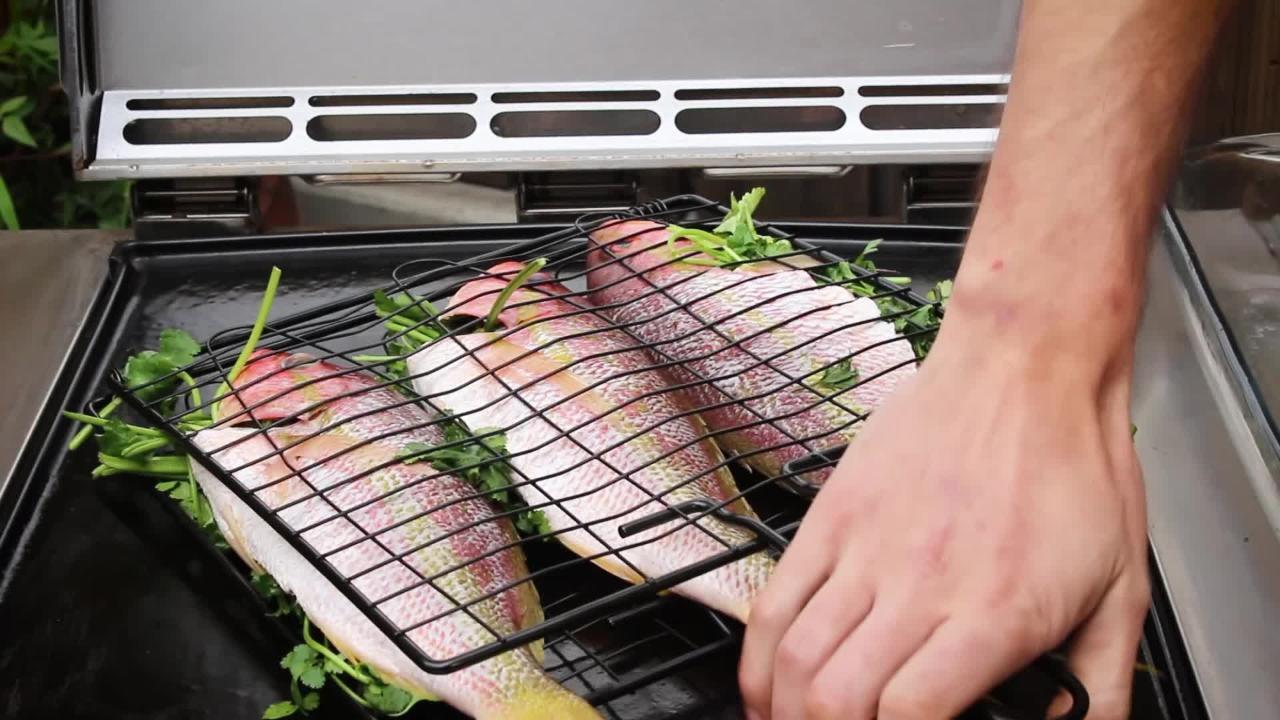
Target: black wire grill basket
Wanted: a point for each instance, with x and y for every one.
(359, 348)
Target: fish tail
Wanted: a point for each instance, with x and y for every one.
(546, 701)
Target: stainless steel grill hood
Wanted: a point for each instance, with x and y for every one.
(168, 89)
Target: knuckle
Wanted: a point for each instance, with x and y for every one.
(754, 687)
(766, 612)
(898, 704)
(796, 654)
(824, 703)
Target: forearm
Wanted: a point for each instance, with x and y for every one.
(1093, 126)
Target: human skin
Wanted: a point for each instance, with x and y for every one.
(922, 578)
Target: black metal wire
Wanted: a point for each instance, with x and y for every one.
(338, 333)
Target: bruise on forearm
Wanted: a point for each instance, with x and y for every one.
(1097, 111)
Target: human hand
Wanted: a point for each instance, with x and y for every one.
(990, 508)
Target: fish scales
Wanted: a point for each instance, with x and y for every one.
(753, 342)
(338, 467)
(599, 434)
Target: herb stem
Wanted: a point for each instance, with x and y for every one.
(255, 333)
(90, 421)
(333, 657)
(351, 693)
(163, 466)
(143, 447)
(533, 266)
(191, 383)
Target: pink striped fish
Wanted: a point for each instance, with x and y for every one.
(343, 451)
(597, 432)
(762, 333)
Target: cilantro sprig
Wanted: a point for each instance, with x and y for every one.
(839, 377)
(480, 458)
(905, 315)
(735, 240)
(477, 457)
(315, 663)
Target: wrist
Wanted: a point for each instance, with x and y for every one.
(1053, 331)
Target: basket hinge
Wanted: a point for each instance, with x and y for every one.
(194, 207)
(940, 195)
(552, 196)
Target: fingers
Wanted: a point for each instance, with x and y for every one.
(963, 659)
(1105, 649)
(803, 569)
(849, 685)
(830, 616)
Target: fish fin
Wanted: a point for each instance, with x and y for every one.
(544, 701)
(610, 563)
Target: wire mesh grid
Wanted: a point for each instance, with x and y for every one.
(367, 432)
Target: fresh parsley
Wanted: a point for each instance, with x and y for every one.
(481, 459)
(314, 662)
(840, 376)
(152, 374)
(274, 595)
(736, 239)
(410, 323)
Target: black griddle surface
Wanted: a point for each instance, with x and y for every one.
(113, 606)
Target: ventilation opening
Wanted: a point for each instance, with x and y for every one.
(580, 96)
(707, 121)
(571, 123)
(429, 126)
(932, 90)
(931, 117)
(183, 131)
(392, 99)
(758, 93)
(218, 103)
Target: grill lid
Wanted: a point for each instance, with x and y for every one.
(163, 89)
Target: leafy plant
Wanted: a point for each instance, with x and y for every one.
(479, 458)
(735, 240)
(37, 187)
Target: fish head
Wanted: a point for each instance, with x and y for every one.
(541, 296)
(277, 385)
(620, 251)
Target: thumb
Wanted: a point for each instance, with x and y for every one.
(1104, 650)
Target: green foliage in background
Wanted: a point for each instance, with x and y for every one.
(37, 188)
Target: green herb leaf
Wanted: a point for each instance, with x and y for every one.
(735, 240)
(839, 377)
(179, 346)
(16, 130)
(480, 458)
(153, 373)
(271, 591)
(310, 701)
(305, 665)
(387, 699)
(12, 104)
(864, 258)
(8, 214)
(282, 709)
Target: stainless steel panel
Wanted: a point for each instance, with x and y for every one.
(1228, 204)
(206, 149)
(47, 281)
(180, 44)
(635, 61)
(1214, 506)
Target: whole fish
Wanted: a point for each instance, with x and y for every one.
(595, 431)
(755, 341)
(343, 450)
